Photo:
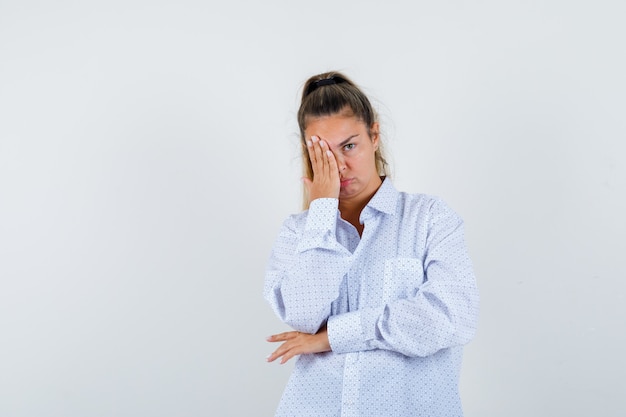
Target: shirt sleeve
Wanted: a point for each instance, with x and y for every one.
(306, 268)
(443, 313)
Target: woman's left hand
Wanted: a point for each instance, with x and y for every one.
(297, 343)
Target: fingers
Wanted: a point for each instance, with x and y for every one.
(316, 155)
(324, 154)
(282, 336)
(285, 352)
(325, 182)
(310, 150)
(319, 154)
(312, 146)
(297, 343)
(288, 355)
(286, 349)
(333, 169)
(292, 346)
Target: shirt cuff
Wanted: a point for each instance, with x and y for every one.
(321, 223)
(322, 214)
(352, 332)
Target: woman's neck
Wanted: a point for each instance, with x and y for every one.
(350, 209)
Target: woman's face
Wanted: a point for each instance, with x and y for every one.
(354, 148)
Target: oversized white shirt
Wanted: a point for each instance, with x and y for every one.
(399, 303)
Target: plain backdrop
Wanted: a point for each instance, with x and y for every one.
(149, 154)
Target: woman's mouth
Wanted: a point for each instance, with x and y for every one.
(345, 182)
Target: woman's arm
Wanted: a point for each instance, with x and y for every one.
(306, 268)
(441, 314)
(307, 263)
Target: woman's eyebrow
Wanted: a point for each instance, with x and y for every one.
(345, 142)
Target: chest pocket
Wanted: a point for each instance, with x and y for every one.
(403, 276)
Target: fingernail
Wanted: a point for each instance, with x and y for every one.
(268, 338)
(329, 153)
(309, 143)
(314, 138)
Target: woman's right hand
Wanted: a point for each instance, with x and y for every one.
(325, 183)
(297, 343)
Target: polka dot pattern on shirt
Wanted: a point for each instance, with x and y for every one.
(400, 302)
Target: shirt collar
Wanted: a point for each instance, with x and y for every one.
(385, 199)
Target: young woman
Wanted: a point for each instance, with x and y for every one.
(376, 283)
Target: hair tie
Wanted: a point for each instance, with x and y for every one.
(320, 83)
(325, 81)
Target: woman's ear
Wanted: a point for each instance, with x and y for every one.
(375, 135)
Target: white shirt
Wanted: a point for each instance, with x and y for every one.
(399, 303)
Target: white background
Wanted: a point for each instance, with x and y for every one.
(149, 153)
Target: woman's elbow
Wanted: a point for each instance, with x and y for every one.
(305, 322)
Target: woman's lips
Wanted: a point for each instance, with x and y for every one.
(345, 182)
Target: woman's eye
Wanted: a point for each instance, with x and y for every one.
(349, 146)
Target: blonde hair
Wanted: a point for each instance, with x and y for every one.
(331, 93)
